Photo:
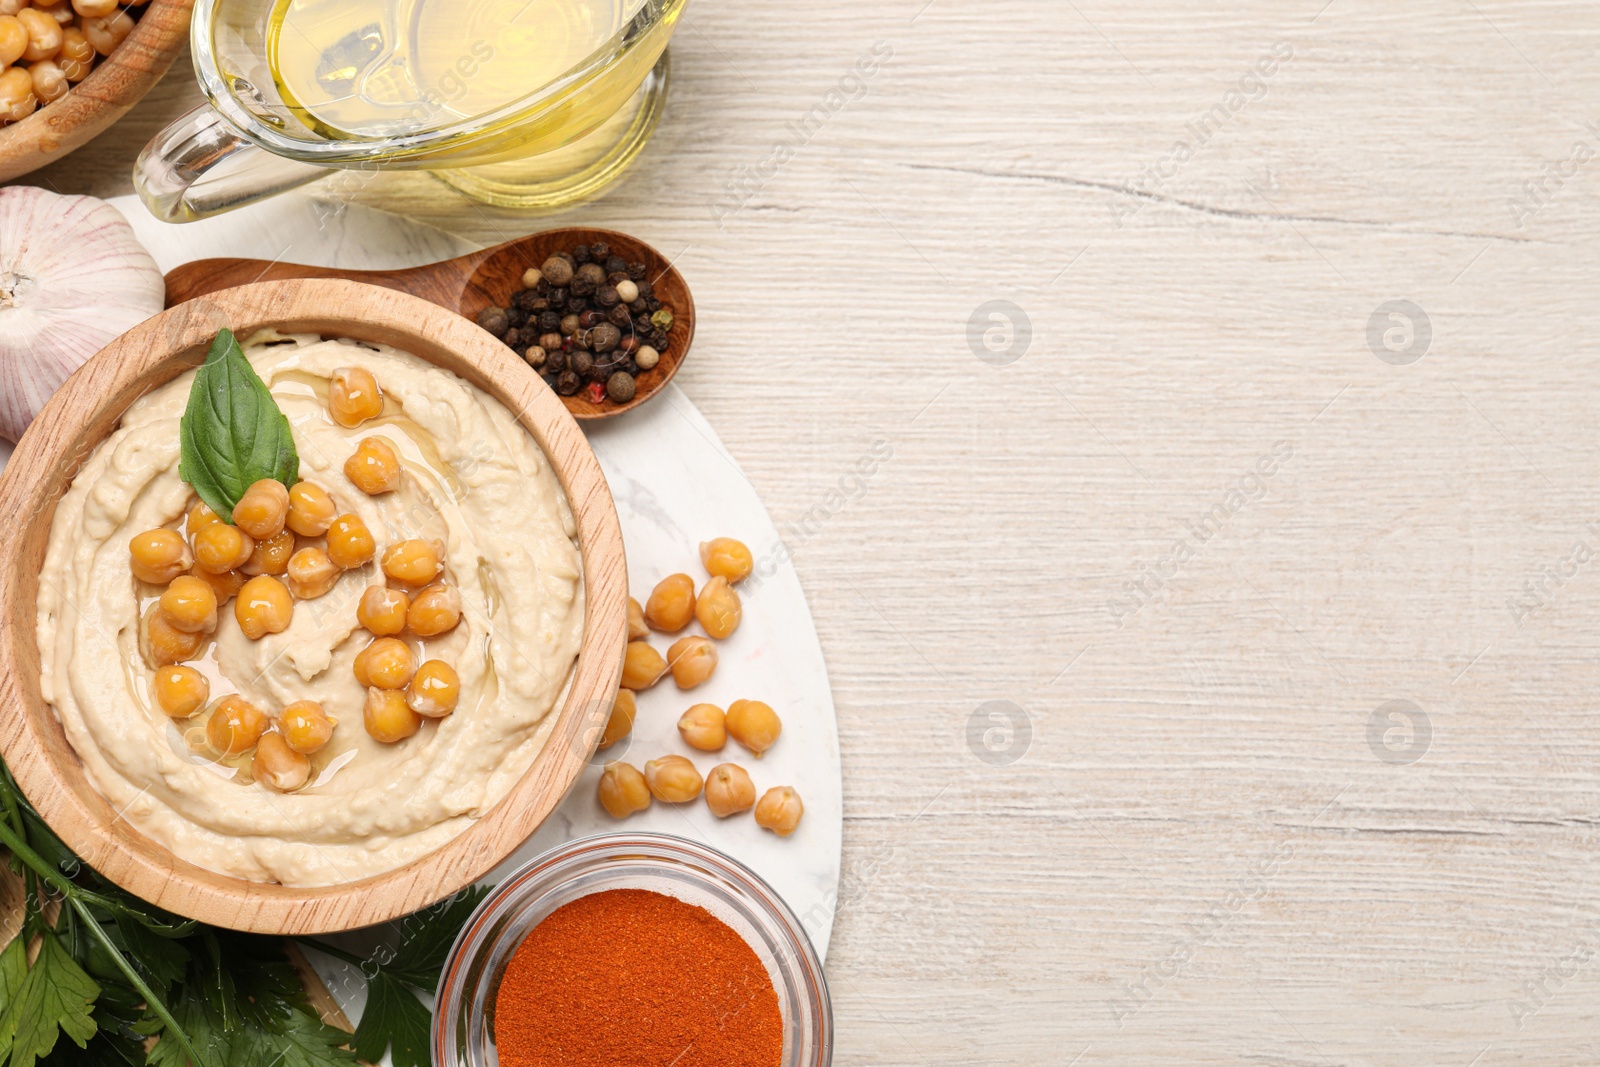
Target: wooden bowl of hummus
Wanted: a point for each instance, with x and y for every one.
(497, 472)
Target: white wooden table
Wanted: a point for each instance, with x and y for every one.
(1198, 832)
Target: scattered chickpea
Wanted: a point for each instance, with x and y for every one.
(642, 666)
(623, 790)
(17, 101)
(624, 710)
(76, 57)
(434, 611)
(190, 604)
(44, 34)
(311, 509)
(13, 38)
(306, 728)
(636, 624)
(434, 690)
(350, 543)
(718, 608)
(263, 509)
(729, 790)
(413, 562)
(387, 663)
(754, 725)
(373, 467)
(383, 610)
(105, 34)
(723, 557)
(271, 555)
(181, 691)
(235, 726)
(199, 516)
(167, 643)
(278, 766)
(94, 9)
(219, 547)
(263, 607)
(60, 10)
(671, 604)
(354, 396)
(692, 660)
(311, 573)
(704, 727)
(157, 556)
(672, 779)
(387, 717)
(49, 81)
(225, 585)
(779, 810)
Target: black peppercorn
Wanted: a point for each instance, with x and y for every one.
(576, 304)
(569, 324)
(543, 287)
(617, 277)
(629, 344)
(639, 307)
(525, 300)
(592, 273)
(607, 296)
(636, 270)
(658, 340)
(568, 383)
(597, 373)
(513, 338)
(620, 387)
(555, 361)
(581, 361)
(582, 253)
(494, 320)
(646, 290)
(604, 337)
(549, 321)
(557, 296)
(630, 367)
(618, 317)
(600, 250)
(583, 286)
(588, 319)
(535, 356)
(578, 340)
(653, 304)
(515, 316)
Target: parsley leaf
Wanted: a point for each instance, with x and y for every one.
(395, 1019)
(232, 433)
(55, 998)
(426, 938)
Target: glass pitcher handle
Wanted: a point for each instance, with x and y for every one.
(168, 173)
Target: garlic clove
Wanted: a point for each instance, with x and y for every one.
(73, 277)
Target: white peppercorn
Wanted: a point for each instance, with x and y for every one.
(646, 357)
(627, 291)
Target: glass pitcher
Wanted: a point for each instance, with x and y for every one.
(520, 103)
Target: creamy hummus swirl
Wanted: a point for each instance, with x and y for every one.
(473, 478)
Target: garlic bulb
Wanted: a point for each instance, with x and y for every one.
(72, 278)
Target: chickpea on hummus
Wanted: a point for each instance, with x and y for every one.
(344, 672)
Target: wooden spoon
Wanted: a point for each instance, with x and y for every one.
(468, 284)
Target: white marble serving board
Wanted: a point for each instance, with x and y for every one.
(675, 486)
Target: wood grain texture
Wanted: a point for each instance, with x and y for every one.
(80, 415)
(994, 915)
(117, 82)
(487, 278)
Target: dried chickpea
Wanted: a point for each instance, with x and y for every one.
(413, 562)
(704, 726)
(387, 717)
(435, 610)
(219, 547)
(718, 608)
(76, 58)
(310, 573)
(671, 604)
(305, 726)
(107, 33)
(434, 689)
(754, 725)
(354, 396)
(271, 555)
(263, 607)
(311, 509)
(383, 610)
(44, 34)
(169, 644)
(13, 38)
(723, 557)
(350, 543)
(225, 585)
(157, 556)
(387, 663)
(235, 726)
(263, 509)
(623, 711)
(692, 660)
(190, 604)
(642, 666)
(779, 810)
(672, 779)
(49, 80)
(636, 624)
(17, 101)
(623, 790)
(729, 790)
(373, 466)
(278, 766)
(94, 9)
(199, 516)
(181, 691)
(61, 11)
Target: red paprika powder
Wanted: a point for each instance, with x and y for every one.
(631, 978)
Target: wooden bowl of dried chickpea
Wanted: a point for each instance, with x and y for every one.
(70, 69)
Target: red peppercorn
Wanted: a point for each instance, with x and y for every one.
(595, 393)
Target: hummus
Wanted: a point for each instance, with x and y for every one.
(473, 479)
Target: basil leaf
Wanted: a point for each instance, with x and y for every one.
(232, 433)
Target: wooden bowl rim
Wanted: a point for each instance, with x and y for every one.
(80, 415)
(100, 99)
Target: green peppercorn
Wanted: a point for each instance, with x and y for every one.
(620, 387)
(662, 320)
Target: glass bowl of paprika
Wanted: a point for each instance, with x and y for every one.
(630, 948)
